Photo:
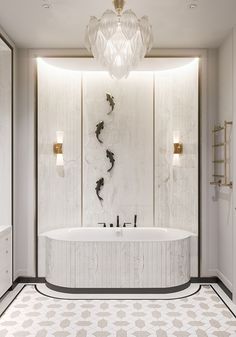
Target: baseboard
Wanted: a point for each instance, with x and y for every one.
(213, 279)
(26, 279)
(225, 289)
(224, 280)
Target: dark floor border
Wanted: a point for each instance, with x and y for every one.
(9, 304)
(35, 286)
(25, 279)
(223, 300)
(213, 279)
(117, 290)
(112, 299)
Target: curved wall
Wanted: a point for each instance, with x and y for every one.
(152, 111)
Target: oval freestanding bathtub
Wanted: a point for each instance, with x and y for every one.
(111, 258)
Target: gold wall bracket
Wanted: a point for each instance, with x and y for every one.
(178, 148)
(57, 148)
(119, 5)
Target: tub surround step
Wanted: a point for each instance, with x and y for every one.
(118, 290)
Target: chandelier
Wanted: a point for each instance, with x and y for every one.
(119, 40)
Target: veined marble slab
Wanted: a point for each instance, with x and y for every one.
(176, 120)
(59, 109)
(147, 180)
(128, 133)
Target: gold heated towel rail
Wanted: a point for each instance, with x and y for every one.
(221, 179)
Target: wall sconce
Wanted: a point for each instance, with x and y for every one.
(58, 148)
(178, 148)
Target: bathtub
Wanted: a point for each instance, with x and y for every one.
(89, 259)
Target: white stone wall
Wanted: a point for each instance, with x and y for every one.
(153, 109)
(128, 133)
(176, 120)
(59, 109)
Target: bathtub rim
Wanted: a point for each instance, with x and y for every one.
(181, 234)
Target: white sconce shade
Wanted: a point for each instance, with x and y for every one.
(60, 137)
(176, 136)
(59, 160)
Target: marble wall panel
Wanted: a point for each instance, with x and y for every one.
(59, 109)
(128, 133)
(152, 110)
(176, 120)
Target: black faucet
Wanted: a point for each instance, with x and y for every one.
(117, 221)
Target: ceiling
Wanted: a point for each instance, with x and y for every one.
(62, 25)
(4, 47)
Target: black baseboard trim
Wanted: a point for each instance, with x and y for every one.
(3, 295)
(213, 279)
(225, 289)
(25, 279)
(117, 290)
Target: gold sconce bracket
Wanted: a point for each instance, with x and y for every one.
(57, 148)
(119, 5)
(178, 148)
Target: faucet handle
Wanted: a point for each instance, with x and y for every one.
(102, 223)
(135, 220)
(117, 221)
(126, 223)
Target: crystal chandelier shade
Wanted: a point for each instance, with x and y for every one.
(119, 40)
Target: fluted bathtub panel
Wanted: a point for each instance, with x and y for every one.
(132, 264)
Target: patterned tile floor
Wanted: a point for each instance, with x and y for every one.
(202, 314)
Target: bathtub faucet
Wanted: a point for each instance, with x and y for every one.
(118, 222)
(129, 223)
